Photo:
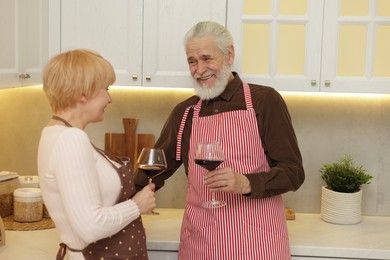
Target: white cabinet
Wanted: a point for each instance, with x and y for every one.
(276, 45)
(313, 45)
(143, 39)
(356, 46)
(111, 28)
(25, 45)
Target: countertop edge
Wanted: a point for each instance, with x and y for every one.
(348, 253)
(309, 237)
(302, 241)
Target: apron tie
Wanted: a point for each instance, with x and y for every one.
(62, 251)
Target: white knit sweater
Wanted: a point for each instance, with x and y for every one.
(79, 188)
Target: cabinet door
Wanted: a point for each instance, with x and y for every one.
(24, 42)
(356, 46)
(165, 24)
(141, 38)
(278, 43)
(313, 45)
(111, 28)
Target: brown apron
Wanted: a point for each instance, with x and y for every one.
(130, 242)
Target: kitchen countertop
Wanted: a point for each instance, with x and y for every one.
(309, 236)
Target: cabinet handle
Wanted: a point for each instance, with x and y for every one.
(313, 83)
(327, 83)
(134, 76)
(24, 76)
(148, 77)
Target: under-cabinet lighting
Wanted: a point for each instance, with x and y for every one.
(336, 95)
(283, 93)
(143, 88)
(287, 93)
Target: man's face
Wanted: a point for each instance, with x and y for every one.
(209, 67)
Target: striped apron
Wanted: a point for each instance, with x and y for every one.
(245, 228)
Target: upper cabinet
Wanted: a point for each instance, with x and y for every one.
(111, 28)
(356, 46)
(291, 45)
(25, 44)
(313, 45)
(143, 39)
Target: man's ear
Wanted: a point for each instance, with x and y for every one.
(231, 55)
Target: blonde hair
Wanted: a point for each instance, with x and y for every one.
(72, 74)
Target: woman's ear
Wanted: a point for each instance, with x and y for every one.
(83, 99)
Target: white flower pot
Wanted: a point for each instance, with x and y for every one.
(340, 207)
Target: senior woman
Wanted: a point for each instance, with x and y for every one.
(91, 199)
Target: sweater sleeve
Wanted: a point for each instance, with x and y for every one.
(80, 185)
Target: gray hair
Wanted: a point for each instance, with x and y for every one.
(223, 37)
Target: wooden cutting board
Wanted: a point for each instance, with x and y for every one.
(128, 143)
(2, 232)
(130, 126)
(114, 144)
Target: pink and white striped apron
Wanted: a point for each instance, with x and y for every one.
(245, 228)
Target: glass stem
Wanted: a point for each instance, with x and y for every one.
(153, 212)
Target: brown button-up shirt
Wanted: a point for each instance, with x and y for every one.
(275, 130)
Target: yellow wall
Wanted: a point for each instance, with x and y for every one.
(25, 111)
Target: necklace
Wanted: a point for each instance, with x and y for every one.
(62, 120)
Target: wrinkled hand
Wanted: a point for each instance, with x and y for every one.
(145, 199)
(227, 180)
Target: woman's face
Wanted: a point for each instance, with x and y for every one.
(95, 106)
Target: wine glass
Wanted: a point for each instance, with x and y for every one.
(210, 156)
(153, 162)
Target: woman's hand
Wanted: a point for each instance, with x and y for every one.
(227, 180)
(145, 199)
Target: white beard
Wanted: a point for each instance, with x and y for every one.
(210, 92)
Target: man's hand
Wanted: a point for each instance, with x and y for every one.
(227, 180)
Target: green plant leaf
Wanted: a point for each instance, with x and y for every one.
(343, 176)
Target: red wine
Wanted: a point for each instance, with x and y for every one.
(208, 164)
(151, 170)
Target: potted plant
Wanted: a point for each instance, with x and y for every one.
(341, 197)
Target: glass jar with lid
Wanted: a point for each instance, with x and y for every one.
(28, 205)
